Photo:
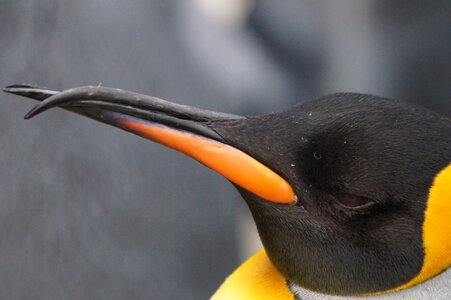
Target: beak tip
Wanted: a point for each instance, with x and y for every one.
(31, 113)
(8, 89)
(15, 88)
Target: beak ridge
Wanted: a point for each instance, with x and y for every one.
(121, 97)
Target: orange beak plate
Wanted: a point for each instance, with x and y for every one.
(232, 163)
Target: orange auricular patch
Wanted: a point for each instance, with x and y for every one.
(230, 162)
(436, 230)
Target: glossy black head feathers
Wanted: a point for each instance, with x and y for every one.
(362, 167)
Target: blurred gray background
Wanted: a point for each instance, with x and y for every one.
(90, 212)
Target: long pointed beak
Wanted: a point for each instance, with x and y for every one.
(180, 127)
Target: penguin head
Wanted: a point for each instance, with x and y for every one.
(362, 168)
(351, 193)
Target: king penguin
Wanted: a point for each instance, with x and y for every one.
(350, 193)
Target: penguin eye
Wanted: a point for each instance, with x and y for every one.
(352, 201)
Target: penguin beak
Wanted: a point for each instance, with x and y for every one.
(180, 127)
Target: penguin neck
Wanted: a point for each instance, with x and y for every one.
(438, 287)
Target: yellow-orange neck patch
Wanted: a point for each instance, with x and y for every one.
(436, 230)
(257, 278)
